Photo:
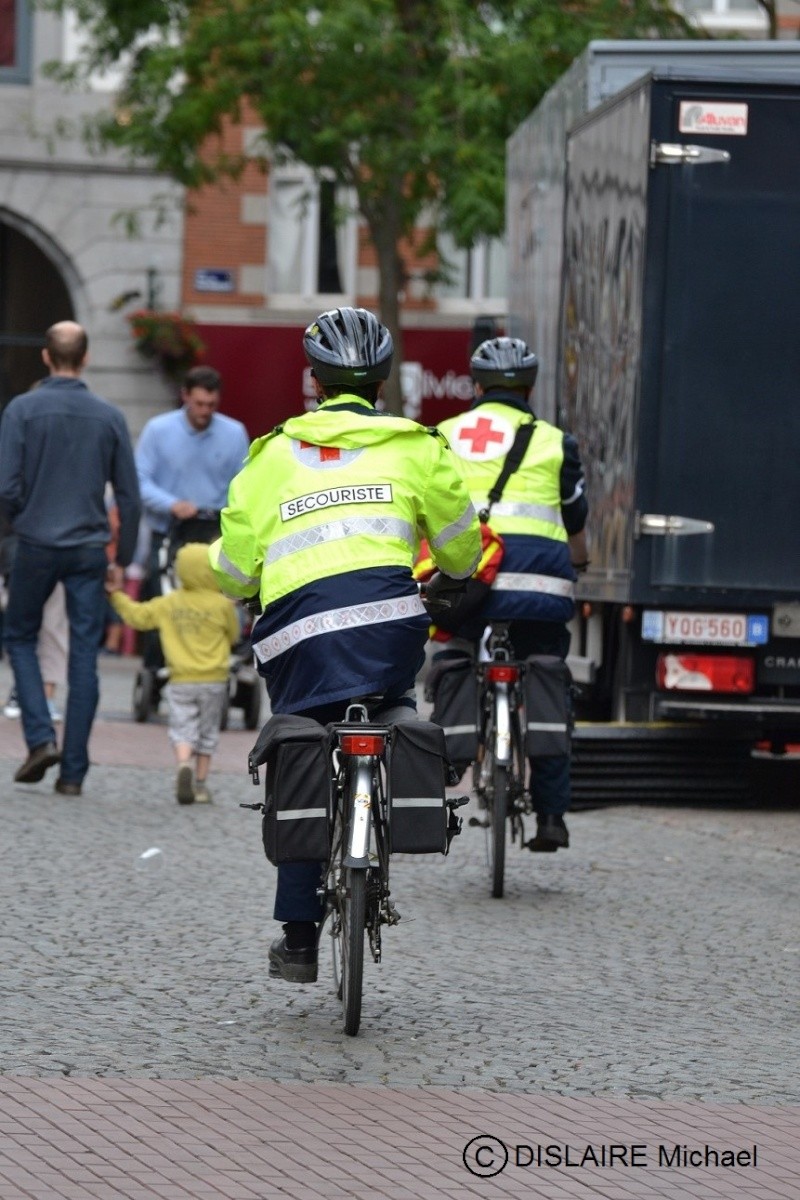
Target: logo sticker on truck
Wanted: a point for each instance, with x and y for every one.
(695, 116)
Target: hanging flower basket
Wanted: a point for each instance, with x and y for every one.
(169, 338)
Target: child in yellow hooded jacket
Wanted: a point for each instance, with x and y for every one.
(197, 626)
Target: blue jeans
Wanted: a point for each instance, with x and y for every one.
(36, 571)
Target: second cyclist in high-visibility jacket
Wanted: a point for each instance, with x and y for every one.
(324, 522)
(543, 509)
(541, 517)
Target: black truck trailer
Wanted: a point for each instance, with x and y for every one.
(679, 372)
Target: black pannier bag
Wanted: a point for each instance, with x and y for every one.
(416, 769)
(548, 719)
(297, 803)
(453, 687)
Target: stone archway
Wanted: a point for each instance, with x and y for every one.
(33, 295)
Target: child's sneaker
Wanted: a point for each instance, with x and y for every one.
(12, 709)
(184, 786)
(201, 793)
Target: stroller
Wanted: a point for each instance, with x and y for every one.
(244, 684)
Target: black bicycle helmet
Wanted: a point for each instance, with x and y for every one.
(348, 346)
(504, 362)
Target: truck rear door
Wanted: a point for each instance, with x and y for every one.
(728, 412)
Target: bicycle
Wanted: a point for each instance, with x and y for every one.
(356, 889)
(384, 790)
(499, 767)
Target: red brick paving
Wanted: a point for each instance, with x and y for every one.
(66, 1139)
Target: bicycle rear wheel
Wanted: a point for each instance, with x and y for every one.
(349, 954)
(497, 832)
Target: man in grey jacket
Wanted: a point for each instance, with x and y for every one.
(59, 447)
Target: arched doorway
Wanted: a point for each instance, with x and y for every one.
(33, 295)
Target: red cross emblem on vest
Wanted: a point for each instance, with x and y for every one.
(326, 453)
(480, 435)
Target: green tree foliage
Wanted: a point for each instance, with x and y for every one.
(407, 102)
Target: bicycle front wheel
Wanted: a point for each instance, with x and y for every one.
(351, 946)
(497, 832)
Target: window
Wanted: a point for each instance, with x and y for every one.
(312, 237)
(725, 15)
(15, 41)
(477, 275)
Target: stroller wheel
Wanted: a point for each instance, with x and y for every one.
(143, 694)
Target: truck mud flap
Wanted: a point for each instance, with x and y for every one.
(641, 764)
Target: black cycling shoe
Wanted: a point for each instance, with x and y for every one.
(295, 966)
(551, 835)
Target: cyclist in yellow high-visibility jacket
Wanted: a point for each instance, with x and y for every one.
(324, 523)
(541, 517)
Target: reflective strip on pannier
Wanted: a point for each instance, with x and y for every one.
(307, 815)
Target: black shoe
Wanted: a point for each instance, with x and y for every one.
(64, 788)
(37, 762)
(295, 966)
(551, 835)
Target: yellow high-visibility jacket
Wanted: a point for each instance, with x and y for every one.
(324, 522)
(542, 503)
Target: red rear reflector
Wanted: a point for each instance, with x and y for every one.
(705, 673)
(502, 674)
(361, 743)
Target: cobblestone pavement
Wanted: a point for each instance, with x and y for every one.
(654, 966)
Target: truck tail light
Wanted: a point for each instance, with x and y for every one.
(706, 673)
(502, 674)
(361, 743)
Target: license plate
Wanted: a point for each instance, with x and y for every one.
(705, 629)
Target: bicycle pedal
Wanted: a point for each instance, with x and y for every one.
(478, 822)
(454, 802)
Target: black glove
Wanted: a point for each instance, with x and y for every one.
(443, 593)
(252, 605)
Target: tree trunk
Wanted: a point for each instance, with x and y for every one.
(385, 233)
(771, 9)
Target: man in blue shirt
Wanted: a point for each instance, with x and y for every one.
(59, 447)
(185, 460)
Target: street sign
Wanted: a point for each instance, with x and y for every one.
(214, 279)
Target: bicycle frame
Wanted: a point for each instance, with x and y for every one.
(356, 884)
(499, 778)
